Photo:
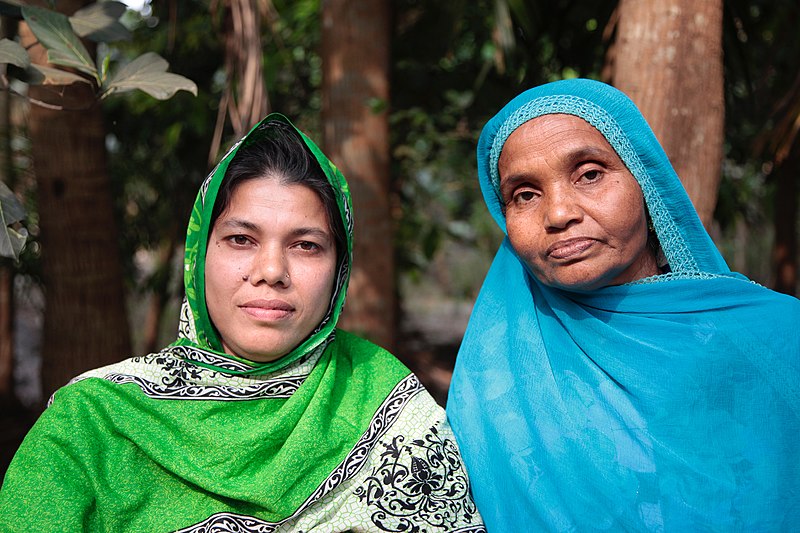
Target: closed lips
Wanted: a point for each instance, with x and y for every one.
(569, 247)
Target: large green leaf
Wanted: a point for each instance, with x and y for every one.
(148, 73)
(11, 211)
(100, 22)
(12, 52)
(42, 75)
(56, 34)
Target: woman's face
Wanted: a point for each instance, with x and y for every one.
(270, 269)
(574, 212)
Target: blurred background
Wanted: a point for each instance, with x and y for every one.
(396, 93)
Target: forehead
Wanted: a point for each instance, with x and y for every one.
(552, 136)
(263, 197)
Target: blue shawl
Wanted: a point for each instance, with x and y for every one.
(667, 404)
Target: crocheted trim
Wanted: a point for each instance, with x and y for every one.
(669, 276)
(672, 242)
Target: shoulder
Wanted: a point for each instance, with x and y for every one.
(97, 380)
(351, 340)
(364, 352)
(375, 364)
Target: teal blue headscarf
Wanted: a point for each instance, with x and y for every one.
(667, 404)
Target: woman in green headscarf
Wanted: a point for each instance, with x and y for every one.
(261, 416)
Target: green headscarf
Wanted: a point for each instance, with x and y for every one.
(195, 327)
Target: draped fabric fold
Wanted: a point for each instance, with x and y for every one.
(667, 404)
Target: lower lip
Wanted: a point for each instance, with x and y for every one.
(267, 315)
(571, 250)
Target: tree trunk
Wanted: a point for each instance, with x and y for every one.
(785, 220)
(8, 30)
(669, 61)
(355, 83)
(6, 334)
(85, 323)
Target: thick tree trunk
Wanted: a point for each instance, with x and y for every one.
(668, 59)
(85, 323)
(355, 59)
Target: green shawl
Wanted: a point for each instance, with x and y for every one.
(193, 439)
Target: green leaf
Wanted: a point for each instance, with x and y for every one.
(104, 67)
(12, 52)
(42, 75)
(100, 22)
(57, 36)
(148, 73)
(11, 241)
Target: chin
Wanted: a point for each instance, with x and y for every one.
(258, 354)
(573, 281)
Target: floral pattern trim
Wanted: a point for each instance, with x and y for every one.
(422, 482)
(178, 379)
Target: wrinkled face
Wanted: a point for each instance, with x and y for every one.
(270, 269)
(574, 212)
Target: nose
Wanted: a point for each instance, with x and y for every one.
(562, 208)
(270, 266)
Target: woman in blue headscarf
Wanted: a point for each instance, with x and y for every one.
(615, 374)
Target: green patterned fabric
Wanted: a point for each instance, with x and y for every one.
(337, 435)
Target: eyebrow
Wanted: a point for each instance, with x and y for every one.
(313, 232)
(589, 152)
(238, 223)
(235, 223)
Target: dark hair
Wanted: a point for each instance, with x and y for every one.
(276, 151)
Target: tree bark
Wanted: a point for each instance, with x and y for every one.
(6, 334)
(785, 251)
(355, 59)
(85, 323)
(669, 61)
(6, 270)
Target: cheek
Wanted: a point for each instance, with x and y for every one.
(524, 237)
(630, 222)
(220, 273)
(326, 282)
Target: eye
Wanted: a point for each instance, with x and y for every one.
(238, 240)
(523, 196)
(308, 246)
(591, 175)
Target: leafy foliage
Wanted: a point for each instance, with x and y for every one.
(148, 73)
(11, 211)
(762, 73)
(60, 35)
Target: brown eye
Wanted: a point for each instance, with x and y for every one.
(591, 175)
(241, 240)
(524, 196)
(308, 246)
